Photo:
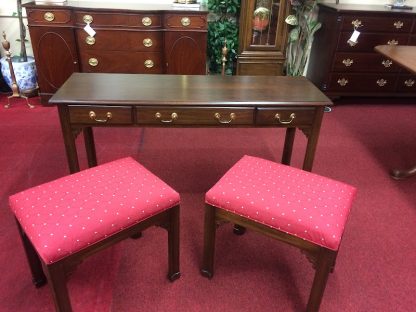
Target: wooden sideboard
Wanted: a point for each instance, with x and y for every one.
(340, 67)
(129, 38)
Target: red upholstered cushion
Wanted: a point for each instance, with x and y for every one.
(291, 200)
(66, 215)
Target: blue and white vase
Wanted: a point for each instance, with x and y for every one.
(25, 73)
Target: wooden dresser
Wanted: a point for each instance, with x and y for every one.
(129, 38)
(340, 67)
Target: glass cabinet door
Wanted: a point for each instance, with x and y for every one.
(265, 14)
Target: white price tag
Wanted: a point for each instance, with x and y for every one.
(91, 32)
(354, 36)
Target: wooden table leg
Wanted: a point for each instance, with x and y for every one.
(69, 139)
(90, 146)
(402, 174)
(288, 146)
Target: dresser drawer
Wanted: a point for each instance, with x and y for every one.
(362, 82)
(363, 62)
(115, 40)
(91, 115)
(109, 19)
(367, 41)
(121, 62)
(49, 17)
(184, 21)
(406, 83)
(285, 116)
(213, 116)
(392, 24)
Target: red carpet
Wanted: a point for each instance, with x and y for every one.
(377, 261)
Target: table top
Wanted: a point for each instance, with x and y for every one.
(188, 90)
(403, 55)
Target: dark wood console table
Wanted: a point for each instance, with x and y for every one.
(88, 100)
(405, 56)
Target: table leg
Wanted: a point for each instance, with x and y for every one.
(403, 174)
(69, 140)
(90, 146)
(288, 146)
(313, 136)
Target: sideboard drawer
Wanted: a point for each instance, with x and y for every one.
(406, 83)
(46, 17)
(91, 115)
(397, 24)
(285, 116)
(367, 41)
(184, 21)
(363, 82)
(363, 62)
(213, 116)
(96, 19)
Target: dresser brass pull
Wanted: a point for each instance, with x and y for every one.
(342, 82)
(146, 21)
(392, 42)
(185, 21)
(93, 116)
(147, 42)
(49, 16)
(409, 82)
(218, 117)
(356, 23)
(381, 82)
(173, 117)
(149, 64)
(398, 24)
(387, 63)
(87, 19)
(347, 62)
(285, 122)
(93, 61)
(90, 40)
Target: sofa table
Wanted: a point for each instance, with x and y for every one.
(88, 100)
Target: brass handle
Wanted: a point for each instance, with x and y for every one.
(93, 61)
(93, 116)
(218, 117)
(285, 122)
(149, 64)
(173, 117)
(90, 40)
(146, 21)
(342, 82)
(381, 82)
(147, 42)
(185, 21)
(387, 63)
(398, 24)
(49, 16)
(392, 42)
(409, 82)
(347, 62)
(87, 19)
(356, 23)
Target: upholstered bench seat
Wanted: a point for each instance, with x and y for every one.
(285, 198)
(66, 215)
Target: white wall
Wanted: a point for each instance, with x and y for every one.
(11, 26)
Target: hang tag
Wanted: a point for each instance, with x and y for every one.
(91, 32)
(354, 36)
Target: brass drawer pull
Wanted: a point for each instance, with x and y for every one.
(146, 21)
(93, 61)
(90, 40)
(356, 23)
(409, 82)
(347, 62)
(285, 122)
(147, 42)
(49, 16)
(149, 64)
(218, 117)
(185, 21)
(398, 24)
(173, 117)
(342, 82)
(381, 82)
(87, 19)
(392, 42)
(387, 63)
(93, 116)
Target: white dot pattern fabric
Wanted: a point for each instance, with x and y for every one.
(285, 198)
(66, 215)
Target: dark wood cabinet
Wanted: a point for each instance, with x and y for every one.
(341, 67)
(138, 38)
(262, 37)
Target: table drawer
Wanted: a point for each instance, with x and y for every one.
(104, 19)
(185, 21)
(49, 17)
(96, 115)
(213, 116)
(285, 116)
